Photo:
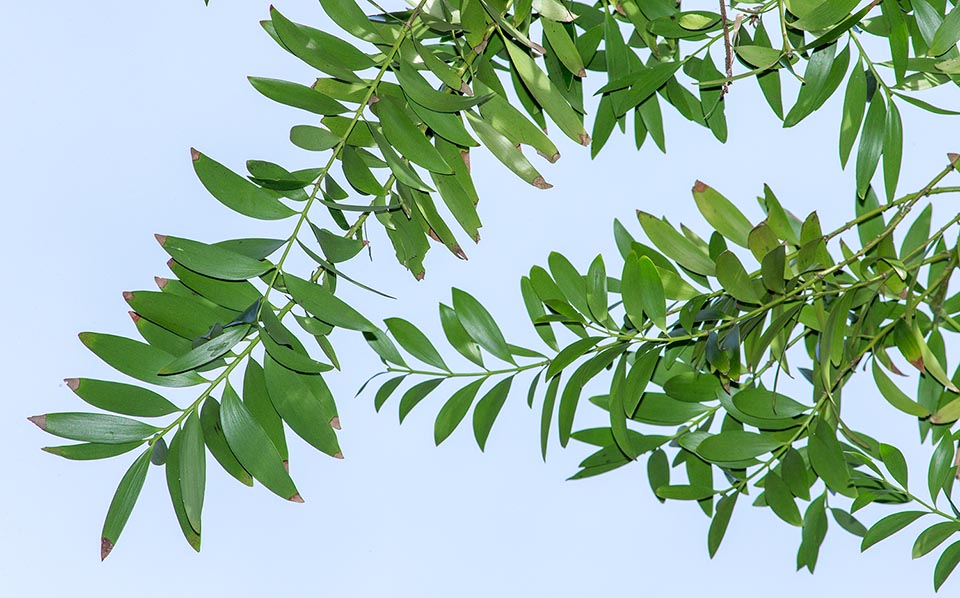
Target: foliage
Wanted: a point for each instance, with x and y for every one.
(688, 336)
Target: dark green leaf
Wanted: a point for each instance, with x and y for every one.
(454, 410)
(415, 342)
(192, 468)
(124, 399)
(888, 526)
(736, 445)
(480, 325)
(236, 192)
(416, 393)
(94, 427)
(217, 443)
(487, 409)
(123, 501)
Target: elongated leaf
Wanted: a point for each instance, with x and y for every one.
(415, 342)
(124, 399)
(896, 397)
(941, 467)
(209, 351)
(854, 105)
(736, 445)
(480, 325)
(454, 410)
(325, 306)
(722, 214)
(675, 245)
(256, 399)
(297, 96)
(192, 469)
(888, 526)
(871, 143)
(172, 471)
(236, 192)
(124, 499)
(415, 394)
(571, 353)
(720, 522)
(780, 500)
(546, 414)
(826, 457)
(934, 536)
(94, 427)
(735, 279)
(215, 440)
(308, 417)
(458, 336)
(253, 448)
(506, 152)
(90, 451)
(895, 463)
(211, 260)
(488, 408)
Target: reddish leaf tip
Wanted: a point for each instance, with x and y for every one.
(335, 422)
(465, 89)
(582, 73)
(134, 316)
(286, 465)
(296, 498)
(953, 157)
(338, 455)
(127, 296)
(170, 263)
(541, 183)
(194, 154)
(419, 275)
(433, 235)
(373, 100)
(161, 281)
(40, 421)
(72, 383)
(162, 239)
(585, 139)
(106, 546)
(699, 187)
(465, 156)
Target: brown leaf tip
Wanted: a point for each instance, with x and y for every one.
(194, 154)
(551, 159)
(953, 157)
(699, 187)
(286, 467)
(465, 155)
(373, 100)
(162, 239)
(582, 73)
(585, 139)
(161, 281)
(296, 498)
(134, 316)
(106, 546)
(465, 89)
(538, 48)
(419, 275)
(458, 251)
(72, 383)
(40, 421)
(433, 235)
(335, 422)
(541, 183)
(338, 455)
(127, 296)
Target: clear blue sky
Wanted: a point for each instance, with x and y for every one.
(102, 101)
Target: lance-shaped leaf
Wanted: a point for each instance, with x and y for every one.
(871, 143)
(311, 138)
(564, 46)
(934, 536)
(319, 49)
(125, 399)
(236, 192)
(735, 279)
(212, 260)
(736, 445)
(407, 137)
(293, 359)
(722, 215)
(135, 359)
(571, 353)
(94, 427)
(123, 502)
(209, 351)
(415, 394)
(176, 495)
(480, 325)
(896, 397)
(536, 310)
(675, 245)
(297, 96)
(780, 500)
(815, 80)
(324, 305)
(256, 398)
(942, 467)
(487, 409)
(187, 316)
(813, 534)
(253, 448)
(889, 525)
(826, 457)
(720, 522)
(415, 342)
(192, 468)
(651, 292)
(308, 417)
(234, 295)
(824, 15)
(454, 410)
(335, 247)
(90, 451)
(506, 152)
(895, 463)
(216, 441)
(419, 90)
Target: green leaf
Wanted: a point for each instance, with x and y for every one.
(211, 350)
(123, 501)
(406, 136)
(236, 296)
(253, 448)
(297, 96)
(335, 247)
(415, 342)
(454, 410)
(780, 500)
(571, 353)
(314, 139)
(941, 467)
(736, 445)
(651, 292)
(565, 48)
(236, 192)
(888, 526)
(192, 468)
(722, 215)
(211, 260)
(256, 399)
(215, 440)
(772, 269)
(124, 399)
(849, 522)
(814, 531)
(815, 82)
(896, 397)
(480, 325)
(934, 536)
(385, 390)
(504, 150)
(693, 387)
(854, 105)
(535, 310)
(826, 457)
(721, 519)
(487, 409)
(173, 487)
(94, 427)
(416, 393)
(596, 282)
(685, 492)
(871, 143)
(895, 463)
(675, 245)
(826, 14)
(947, 35)
(457, 335)
(946, 564)
(734, 278)
(136, 359)
(325, 306)
(90, 451)
(418, 90)
(546, 414)
(297, 405)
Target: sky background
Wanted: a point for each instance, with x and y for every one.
(102, 102)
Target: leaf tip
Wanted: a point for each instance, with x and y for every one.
(161, 281)
(134, 316)
(286, 465)
(551, 159)
(72, 383)
(335, 422)
(699, 186)
(338, 455)
(458, 251)
(296, 498)
(162, 239)
(541, 183)
(40, 421)
(194, 154)
(954, 158)
(128, 296)
(585, 139)
(106, 546)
